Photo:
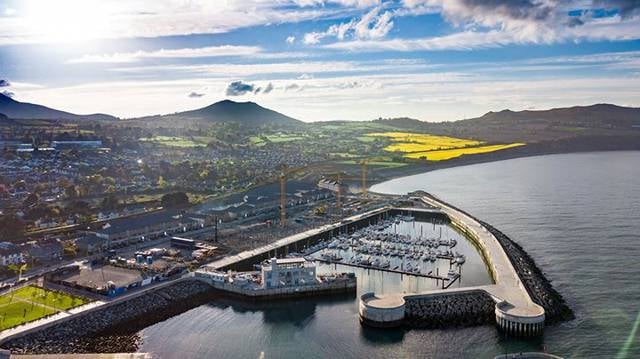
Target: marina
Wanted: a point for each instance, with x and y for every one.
(399, 244)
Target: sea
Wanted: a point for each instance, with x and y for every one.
(577, 215)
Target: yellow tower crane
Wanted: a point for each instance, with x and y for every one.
(363, 168)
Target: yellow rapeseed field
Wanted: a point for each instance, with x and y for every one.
(419, 142)
(436, 148)
(443, 155)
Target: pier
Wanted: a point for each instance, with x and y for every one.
(429, 275)
(515, 311)
(300, 241)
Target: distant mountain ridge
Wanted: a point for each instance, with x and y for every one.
(246, 113)
(23, 110)
(534, 125)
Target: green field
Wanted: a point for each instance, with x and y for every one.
(31, 303)
(275, 138)
(374, 163)
(171, 141)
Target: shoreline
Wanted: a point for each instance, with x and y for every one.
(627, 143)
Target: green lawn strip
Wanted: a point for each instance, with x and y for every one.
(284, 138)
(20, 312)
(374, 163)
(49, 298)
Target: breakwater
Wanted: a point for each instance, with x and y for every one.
(534, 281)
(109, 329)
(538, 287)
(449, 310)
(517, 294)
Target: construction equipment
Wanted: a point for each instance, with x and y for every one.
(339, 177)
(363, 167)
(283, 194)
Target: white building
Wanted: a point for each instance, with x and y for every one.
(288, 272)
(9, 256)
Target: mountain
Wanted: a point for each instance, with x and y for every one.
(246, 113)
(22, 110)
(535, 126)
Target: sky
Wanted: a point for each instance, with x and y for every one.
(319, 60)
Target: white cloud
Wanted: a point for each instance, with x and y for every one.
(372, 25)
(466, 40)
(211, 51)
(290, 39)
(604, 29)
(74, 20)
(305, 77)
(234, 70)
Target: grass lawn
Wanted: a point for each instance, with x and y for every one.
(14, 314)
(30, 303)
(374, 163)
(141, 198)
(366, 138)
(283, 138)
(173, 141)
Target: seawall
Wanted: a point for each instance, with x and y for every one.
(104, 329)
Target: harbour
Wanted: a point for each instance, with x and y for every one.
(483, 330)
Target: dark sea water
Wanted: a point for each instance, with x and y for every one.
(577, 215)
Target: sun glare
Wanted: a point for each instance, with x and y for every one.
(66, 20)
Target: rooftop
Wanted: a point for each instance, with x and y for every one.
(140, 221)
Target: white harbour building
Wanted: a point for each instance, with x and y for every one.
(288, 272)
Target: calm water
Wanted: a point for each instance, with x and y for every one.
(578, 215)
(473, 272)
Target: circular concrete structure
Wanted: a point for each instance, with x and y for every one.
(517, 322)
(382, 311)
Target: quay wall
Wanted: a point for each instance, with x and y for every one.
(98, 330)
(347, 285)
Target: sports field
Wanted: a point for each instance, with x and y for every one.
(29, 303)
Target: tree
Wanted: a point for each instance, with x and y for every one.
(176, 199)
(71, 191)
(161, 182)
(11, 226)
(31, 199)
(110, 202)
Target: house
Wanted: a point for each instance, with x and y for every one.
(91, 244)
(11, 255)
(45, 250)
(44, 223)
